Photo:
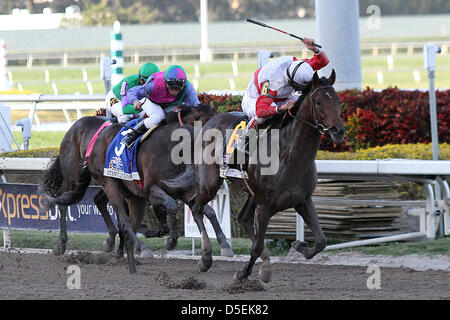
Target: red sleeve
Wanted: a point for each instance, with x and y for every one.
(265, 107)
(318, 61)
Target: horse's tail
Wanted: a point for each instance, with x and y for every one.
(76, 194)
(53, 179)
(181, 183)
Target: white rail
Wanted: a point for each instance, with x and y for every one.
(53, 102)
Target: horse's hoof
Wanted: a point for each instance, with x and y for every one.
(239, 276)
(108, 246)
(265, 271)
(302, 247)
(171, 243)
(119, 254)
(146, 253)
(132, 269)
(299, 245)
(204, 264)
(226, 252)
(59, 249)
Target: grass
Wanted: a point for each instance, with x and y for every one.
(216, 75)
(428, 247)
(93, 242)
(41, 139)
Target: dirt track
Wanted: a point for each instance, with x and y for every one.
(43, 276)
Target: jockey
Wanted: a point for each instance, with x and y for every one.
(116, 99)
(271, 88)
(164, 90)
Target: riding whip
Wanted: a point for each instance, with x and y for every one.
(262, 24)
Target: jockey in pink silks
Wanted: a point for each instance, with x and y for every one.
(165, 90)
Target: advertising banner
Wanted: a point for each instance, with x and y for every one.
(221, 205)
(20, 209)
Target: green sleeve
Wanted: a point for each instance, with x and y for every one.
(132, 81)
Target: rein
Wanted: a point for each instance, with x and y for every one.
(316, 125)
(180, 120)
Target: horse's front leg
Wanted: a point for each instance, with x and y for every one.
(308, 212)
(221, 238)
(162, 202)
(261, 220)
(246, 217)
(205, 262)
(172, 240)
(113, 191)
(136, 211)
(101, 201)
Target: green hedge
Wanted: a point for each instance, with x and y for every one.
(419, 151)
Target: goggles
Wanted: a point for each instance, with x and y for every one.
(142, 78)
(175, 83)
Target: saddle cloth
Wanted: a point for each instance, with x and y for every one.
(237, 128)
(234, 142)
(120, 161)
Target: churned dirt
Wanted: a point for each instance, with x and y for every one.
(45, 276)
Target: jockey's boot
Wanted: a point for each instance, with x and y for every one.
(131, 137)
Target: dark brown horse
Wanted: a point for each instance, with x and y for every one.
(64, 172)
(163, 183)
(294, 181)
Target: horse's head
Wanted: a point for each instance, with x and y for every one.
(326, 106)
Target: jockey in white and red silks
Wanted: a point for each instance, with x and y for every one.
(271, 88)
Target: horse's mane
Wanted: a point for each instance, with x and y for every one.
(172, 116)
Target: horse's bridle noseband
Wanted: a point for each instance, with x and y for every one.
(316, 125)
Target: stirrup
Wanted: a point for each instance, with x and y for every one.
(129, 141)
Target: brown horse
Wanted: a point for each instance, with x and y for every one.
(292, 185)
(64, 172)
(163, 182)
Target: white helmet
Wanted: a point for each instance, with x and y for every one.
(299, 74)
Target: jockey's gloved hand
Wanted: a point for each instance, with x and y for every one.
(137, 105)
(309, 44)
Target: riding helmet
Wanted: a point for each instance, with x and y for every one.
(175, 77)
(147, 70)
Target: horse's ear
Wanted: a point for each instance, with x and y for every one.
(315, 79)
(332, 78)
(216, 107)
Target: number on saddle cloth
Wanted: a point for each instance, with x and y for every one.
(234, 138)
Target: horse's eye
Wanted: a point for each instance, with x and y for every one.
(318, 103)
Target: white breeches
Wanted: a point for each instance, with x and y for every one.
(116, 108)
(155, 114)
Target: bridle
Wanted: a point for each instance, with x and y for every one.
(315, 125)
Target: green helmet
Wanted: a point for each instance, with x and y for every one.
(147, 70)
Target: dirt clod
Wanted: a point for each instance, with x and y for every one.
(243, 286)
(190, 283)
(84, 257)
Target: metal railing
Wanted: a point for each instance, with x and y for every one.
(36, 102)
(173, 54)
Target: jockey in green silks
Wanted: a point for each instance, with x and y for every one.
(116, 99)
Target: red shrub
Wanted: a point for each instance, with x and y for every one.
(375, 118)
